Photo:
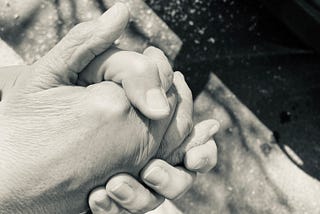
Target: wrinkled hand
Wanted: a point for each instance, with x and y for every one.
(146, 72)
(198, 150)
(161, 178)
(59, 140)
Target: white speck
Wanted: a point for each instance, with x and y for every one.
(211, 40)
(192, 11)
(117, 42)
(149, 25)
(293, 155)
(201, 31)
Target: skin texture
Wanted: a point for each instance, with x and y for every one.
(67, 125)
(209, 124)
(57, 136)
(172, 181)
(200, 159)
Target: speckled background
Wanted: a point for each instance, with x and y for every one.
(263, 64)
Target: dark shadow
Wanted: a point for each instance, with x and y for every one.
(259, 59)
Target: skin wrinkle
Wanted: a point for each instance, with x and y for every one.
(73, 46)
(42, 78)
(97, 110)
(147, 147)
(144, 147)
(187, 121)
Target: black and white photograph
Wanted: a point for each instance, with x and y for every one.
(159, 107)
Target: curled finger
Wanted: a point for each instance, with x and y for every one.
(101, 203)
(169, 181)
(131, 195)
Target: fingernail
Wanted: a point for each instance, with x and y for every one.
(114, 10)
(153, 50)
(101, 205)
(156, 176)
(201, 163)
(157, 100)
(122, 191)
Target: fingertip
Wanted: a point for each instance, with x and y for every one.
(169, 181)
(123, 9)
(152, 50)
(97, 196)
(164, 66)
(178, 74)
(118, 9)
(153, 103)
(132, 195)
(215, 126)
(157, 102)
(99, 202)
(182, 86)
(207, 127)
(201, 158)
(120, 15)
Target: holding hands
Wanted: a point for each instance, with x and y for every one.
(85, 114)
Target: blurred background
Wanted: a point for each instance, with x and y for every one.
(266, 52)
(270, 64)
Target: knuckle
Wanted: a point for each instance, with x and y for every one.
(107, 99)
(142, 65)
(187, 125)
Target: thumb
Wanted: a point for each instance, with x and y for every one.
(85, 41)
(144, 79)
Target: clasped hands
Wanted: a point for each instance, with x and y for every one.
(88, 113)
